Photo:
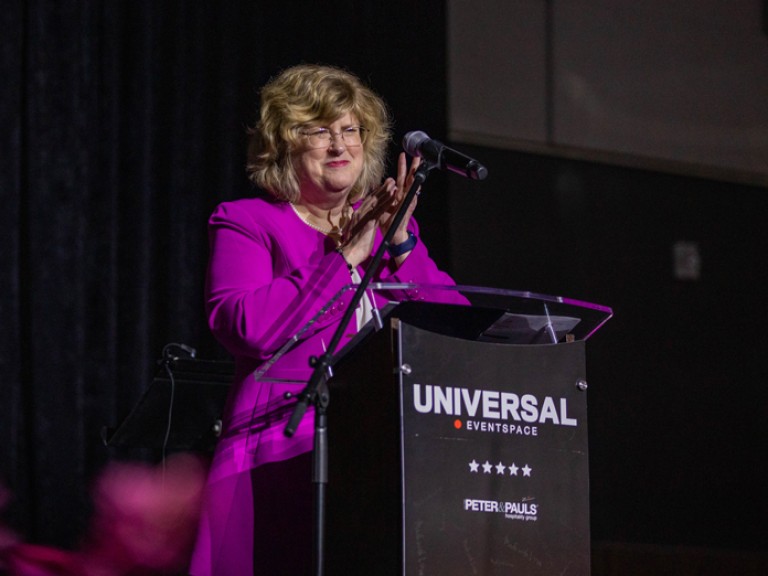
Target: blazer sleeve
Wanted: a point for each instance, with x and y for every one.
(419, 268)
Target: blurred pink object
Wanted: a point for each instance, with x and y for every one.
(144, 524)
(32, 560)
(146, 519)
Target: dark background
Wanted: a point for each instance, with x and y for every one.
(124, 125)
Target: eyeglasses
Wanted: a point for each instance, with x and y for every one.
(321, 137)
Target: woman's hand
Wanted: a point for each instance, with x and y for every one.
(405, 178)
(378, 210)
(361, 230)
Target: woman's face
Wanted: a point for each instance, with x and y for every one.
(326, 174)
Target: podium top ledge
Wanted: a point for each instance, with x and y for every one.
(474, 312)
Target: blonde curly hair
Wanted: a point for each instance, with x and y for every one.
(313, 94)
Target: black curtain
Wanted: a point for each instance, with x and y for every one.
(123, 126)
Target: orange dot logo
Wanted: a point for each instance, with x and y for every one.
(457, 424)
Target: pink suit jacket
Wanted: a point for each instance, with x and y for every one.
(269, 275)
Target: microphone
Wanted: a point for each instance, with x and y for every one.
(419, 144)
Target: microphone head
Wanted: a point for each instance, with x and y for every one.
(412, 142)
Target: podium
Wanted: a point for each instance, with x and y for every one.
(458, 439)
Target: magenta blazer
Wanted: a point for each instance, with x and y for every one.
(269, 274)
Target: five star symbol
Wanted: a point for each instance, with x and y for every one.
(501, 468)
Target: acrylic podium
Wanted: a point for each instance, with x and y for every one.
(458, 437)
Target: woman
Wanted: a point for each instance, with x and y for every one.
(318, 152)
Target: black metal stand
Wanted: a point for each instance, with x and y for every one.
(317, 394)
(320, 480)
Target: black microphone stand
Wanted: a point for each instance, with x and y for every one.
(316, 390)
